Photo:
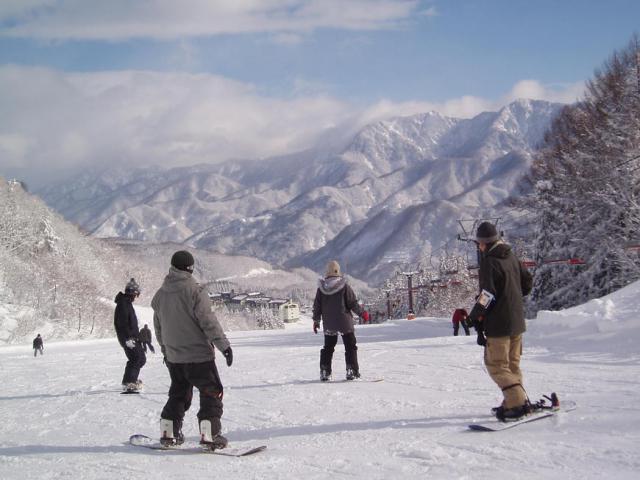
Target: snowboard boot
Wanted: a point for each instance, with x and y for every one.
(325, 374)
(351, 360)
(352, 374)
(210, 437)
(131, 388)
(326, 357)
(512, 414)
(171, 433)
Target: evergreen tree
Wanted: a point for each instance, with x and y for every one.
(587, 190)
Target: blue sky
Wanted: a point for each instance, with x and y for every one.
(237, 65)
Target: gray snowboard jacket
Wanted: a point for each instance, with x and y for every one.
(502, 275)
(333, 304)
(184, 324)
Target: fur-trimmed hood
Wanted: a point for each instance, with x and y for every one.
(331, 285)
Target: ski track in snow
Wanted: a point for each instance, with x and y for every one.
(62, 416)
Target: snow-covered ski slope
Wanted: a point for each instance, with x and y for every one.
(61, 415)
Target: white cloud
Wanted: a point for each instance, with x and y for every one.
(568, 93)
(54, 119)
(168, 19)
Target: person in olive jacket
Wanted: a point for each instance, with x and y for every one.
(126, 324)
(334, 302)
(499, 318)
(187, 330)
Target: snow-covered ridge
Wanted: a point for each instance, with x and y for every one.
(303, 208)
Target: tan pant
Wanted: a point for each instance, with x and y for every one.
(502, 359)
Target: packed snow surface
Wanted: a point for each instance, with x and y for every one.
(62, 415)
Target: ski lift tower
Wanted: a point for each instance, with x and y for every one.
(388, 291)
(411, 314)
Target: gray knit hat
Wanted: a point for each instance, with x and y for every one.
(487, 233)
(132, 287)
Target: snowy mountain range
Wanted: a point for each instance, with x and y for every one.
(392, 195)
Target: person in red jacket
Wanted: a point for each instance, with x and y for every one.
(460, 317)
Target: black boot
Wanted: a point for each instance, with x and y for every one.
(351, 356)
(326, 357)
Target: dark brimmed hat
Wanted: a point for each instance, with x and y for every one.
(487, 233)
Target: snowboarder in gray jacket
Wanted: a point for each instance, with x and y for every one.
(334, 302)
(187, 331)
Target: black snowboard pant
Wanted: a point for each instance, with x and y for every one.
(204, 376)
(135, 361)
(350, 351)
(148, 344)
(456, 328)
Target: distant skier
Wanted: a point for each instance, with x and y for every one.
(38, 346)
(187, 330)
(499, 313)
(334, 302)
(145, 338)
(460, 317)
(126, 325)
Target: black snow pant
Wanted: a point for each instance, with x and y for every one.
(136, 360)
(350, 351)
(204, 376)
(148, 344)
(456, 327)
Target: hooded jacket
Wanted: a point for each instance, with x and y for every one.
(184, 324)
(125, 320)
(508, 280)
(333, 304)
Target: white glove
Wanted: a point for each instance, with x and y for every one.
(131, 343)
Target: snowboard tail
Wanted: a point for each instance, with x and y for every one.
(138, 440)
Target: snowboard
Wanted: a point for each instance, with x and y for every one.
(139, 440)
(127, 392)
(355, 380)
(495, 425)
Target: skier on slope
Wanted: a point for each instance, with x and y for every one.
(333, 304)
(126, 325)
(38, 346)
(460, 317)
(187, 330)
(499, 314)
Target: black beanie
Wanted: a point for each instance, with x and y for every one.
(487, 233)
(183, 260)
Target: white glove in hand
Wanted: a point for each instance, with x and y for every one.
(131, 343)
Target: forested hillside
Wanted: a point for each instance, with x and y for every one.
(587, 189)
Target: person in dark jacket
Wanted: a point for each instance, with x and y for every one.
(498, 316)
(460, 317)
(126, 325)
(187, 331)
(334, 302)
(38, 346)
(145, 338)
